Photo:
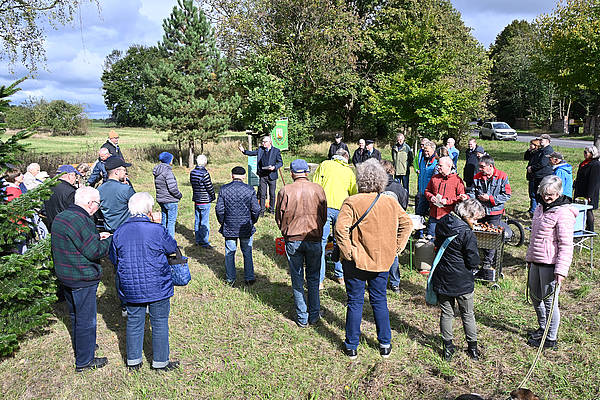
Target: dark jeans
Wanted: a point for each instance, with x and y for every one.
(404, 180)
(82, 310)
(376, 283)
(489, 255)
(532, 199)
(262, 192)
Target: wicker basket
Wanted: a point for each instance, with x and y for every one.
(489, 240)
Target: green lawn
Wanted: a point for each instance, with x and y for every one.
(242, 343)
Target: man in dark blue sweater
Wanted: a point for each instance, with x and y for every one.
(268, 163)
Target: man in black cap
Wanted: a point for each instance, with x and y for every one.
(115, 193)
(237, 211)
(372, 152)
(335, 146)
(63, 194)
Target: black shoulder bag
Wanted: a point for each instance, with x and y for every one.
(335, 253)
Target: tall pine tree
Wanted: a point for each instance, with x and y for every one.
(195, 102)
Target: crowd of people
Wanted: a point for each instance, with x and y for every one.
(361, 209)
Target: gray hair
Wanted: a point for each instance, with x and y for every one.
(450, 140)
(371, 177)
(400, 135)
(487, 160)
(430, 144)
(470, 209)
(85, 194)
(550, 184)
(103, 150)
(343, 153)
(201, 160)
(140, 203)
(33, 166)
(446, 160)
(593, 150)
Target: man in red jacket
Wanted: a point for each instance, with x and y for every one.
(444, 190)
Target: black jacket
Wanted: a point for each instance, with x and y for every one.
(453, 275)
(63, 195)
(540, 163)
(471, 165)
(587, 183)
(237, 210)
(335, 147)
(398, 189)
(113, 150)
(203, 190)
(273, 159)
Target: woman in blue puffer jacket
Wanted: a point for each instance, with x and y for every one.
(139, 250)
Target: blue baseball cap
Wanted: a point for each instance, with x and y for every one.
(67, 169)
(299, 166)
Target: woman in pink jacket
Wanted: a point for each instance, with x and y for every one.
(549, 255)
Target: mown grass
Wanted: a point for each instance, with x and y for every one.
(241, 343)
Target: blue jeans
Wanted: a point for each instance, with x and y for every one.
(355, 288)
(299, 253)
(82, 310)
(230, 249)
(159, 320)
(169, 216)
(332, 215)
(422, 206)
(201, 225)
(431, 224)
(395, 273)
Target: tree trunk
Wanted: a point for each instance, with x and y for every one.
(349, 117)
(191, 154)
(180, 153)
(595, 130)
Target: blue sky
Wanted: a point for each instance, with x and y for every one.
(76, 54)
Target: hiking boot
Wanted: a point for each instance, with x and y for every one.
(548, 344)
(135, 367)
(169, 367)
(472, 351)
(97, 362)
(448, 350)
(537, 334)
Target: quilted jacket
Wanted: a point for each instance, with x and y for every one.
(552, 235)
(497, 187)
(203, 190)
(165, 184)
(139, 250)
(237, 210)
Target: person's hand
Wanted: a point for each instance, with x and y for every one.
(156, 217)
(241, 148)
(463, 196)
(105, 235)
(272, 167)
(484, 197)
(559, 278)
(444, 201)
(529, 169)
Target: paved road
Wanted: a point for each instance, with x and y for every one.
(573, 144)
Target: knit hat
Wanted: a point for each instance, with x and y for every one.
(165, 157)
(238, 171)
(113, 134)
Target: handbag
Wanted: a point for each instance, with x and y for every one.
(430, 294)
(180, 271)
(335, 252)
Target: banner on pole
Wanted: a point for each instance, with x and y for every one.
(279, 134)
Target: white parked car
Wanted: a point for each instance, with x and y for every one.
(497, 130)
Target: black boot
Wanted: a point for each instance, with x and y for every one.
(448, 350)
(472, 351)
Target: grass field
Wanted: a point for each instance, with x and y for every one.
(242, 343)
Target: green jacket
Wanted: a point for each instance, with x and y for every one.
(402, 158)
(77, 248)
(337, 180)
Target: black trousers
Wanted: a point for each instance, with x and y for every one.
(263, 183)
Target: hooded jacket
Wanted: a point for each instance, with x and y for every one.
(551, 239)
(565, 172)
(453, 275)
(166, 185)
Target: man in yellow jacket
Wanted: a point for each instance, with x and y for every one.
(338, 180)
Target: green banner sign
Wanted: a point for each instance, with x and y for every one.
(279, 134)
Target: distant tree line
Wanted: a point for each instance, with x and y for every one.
(371, 66)
(57, 116)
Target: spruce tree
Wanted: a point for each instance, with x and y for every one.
(195, 102)
(27, 285)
